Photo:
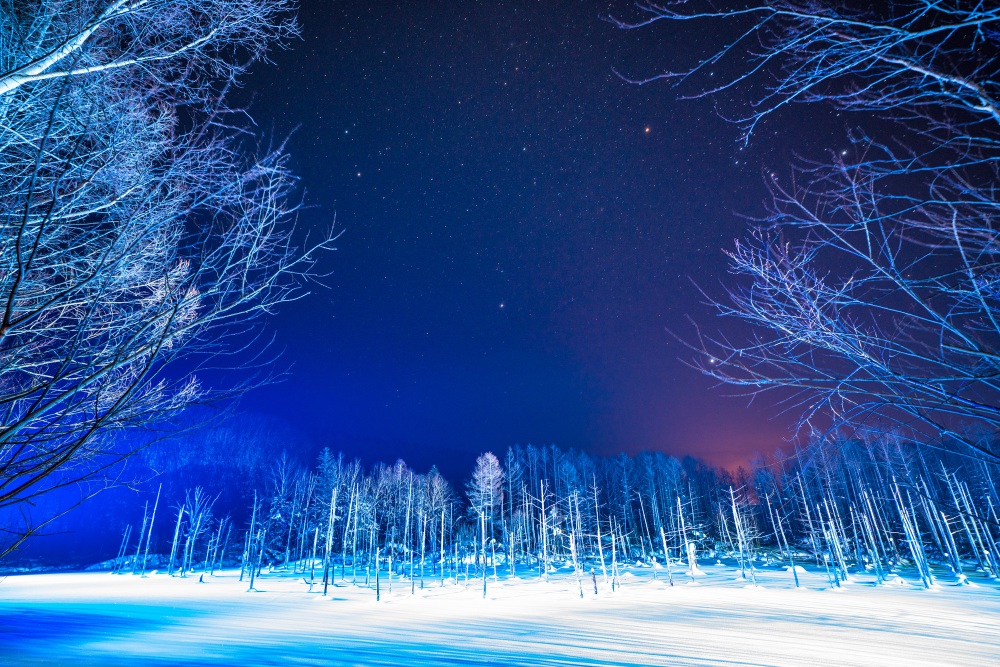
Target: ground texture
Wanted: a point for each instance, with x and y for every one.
(717, 619)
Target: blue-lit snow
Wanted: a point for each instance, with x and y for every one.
(83, 619)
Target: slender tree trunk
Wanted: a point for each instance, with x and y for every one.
(312, 561)
(149, 534)
(482, 521)
(441, 544)
(600, 539)
(120, 558)
(614, 561)
(692, 562)
(173, 549)
(545, 537)
(347, 524)
(666, 557)
(329, 538)
(142, 533)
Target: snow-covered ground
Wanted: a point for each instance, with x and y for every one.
(102, 619)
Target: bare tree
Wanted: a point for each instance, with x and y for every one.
(872, 287)
(485, 491)
(137, 242)
(198, 507)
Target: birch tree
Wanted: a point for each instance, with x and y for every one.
(485, 491)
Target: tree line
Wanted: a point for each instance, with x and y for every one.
(842, 505)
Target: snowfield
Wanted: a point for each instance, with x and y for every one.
(101, 619)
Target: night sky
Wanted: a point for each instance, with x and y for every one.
(520, 231)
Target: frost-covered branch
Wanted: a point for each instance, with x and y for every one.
(140, 239)
(871, 288)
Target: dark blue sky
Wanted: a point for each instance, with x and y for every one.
(520, 228)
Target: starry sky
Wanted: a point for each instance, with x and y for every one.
(521, 230)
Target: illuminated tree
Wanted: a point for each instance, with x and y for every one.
(485, 491)
(138, 244)
(873, 286)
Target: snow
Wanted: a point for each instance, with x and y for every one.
(90, 618)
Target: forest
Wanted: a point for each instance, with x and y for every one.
(871, 505)
(525, 221)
